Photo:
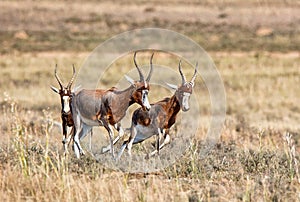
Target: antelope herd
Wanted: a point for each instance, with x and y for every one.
(83, 109)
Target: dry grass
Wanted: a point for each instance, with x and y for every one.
(33, 169)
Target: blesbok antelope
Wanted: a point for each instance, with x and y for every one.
(161, 116)
(107, 107)
(65, 98)
(65, 93)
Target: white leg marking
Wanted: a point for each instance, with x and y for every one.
(77, 143)
(111, 135)
(91, 134)
(158, 136)
(166, 141)
(121, 151)
(120, 135)
(133, 134)
(76, 150)
(79, 129)
(121, 132)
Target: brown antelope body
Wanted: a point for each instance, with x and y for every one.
(107, 107)
(161, 116)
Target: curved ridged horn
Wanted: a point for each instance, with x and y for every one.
(57, 78)
(151, 69)
(72, 79)
(195, 74)
(182, 76)
(139, 70)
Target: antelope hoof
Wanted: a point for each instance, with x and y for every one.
(82, 153)
(104, 150)
(65, 141)
(152, 154)
(66, 152)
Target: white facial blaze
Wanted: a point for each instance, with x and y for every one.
(145, 100)
(66, 104)
(185, 100)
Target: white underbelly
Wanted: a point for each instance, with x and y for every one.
(90, 122)
(144, 132)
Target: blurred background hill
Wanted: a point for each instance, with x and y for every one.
(228, 25)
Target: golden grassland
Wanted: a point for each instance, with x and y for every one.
(253, 160)
(255, 46)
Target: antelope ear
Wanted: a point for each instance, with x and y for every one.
(130, 80)
(54, 89)
(172, 86)
(76, 88)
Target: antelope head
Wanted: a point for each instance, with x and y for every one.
(64, 92)
(184, 91)
(142, 87)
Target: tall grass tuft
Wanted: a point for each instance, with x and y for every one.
(291, 152)
(20, 141)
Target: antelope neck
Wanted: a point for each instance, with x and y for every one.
(125, 96)
(173, 105)
(120, 101)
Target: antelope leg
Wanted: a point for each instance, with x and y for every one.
(122, 150)
(166, 141)
(131, 139)
(67, 140)
(64, 128)
(80, 131)
(120, 135)
(111, 135)
(157, 139)
(90, 143)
